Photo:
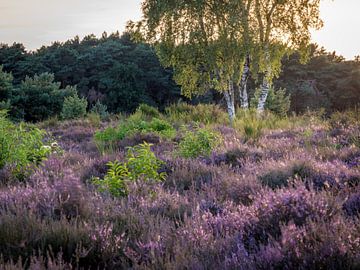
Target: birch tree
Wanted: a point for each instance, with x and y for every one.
(203, 40)
(278, 26)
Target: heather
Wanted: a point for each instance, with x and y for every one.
(179, 192)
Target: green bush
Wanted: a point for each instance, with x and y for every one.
(141, 164)
(198, 143)
(74, 107)
(21, 146)
(107, 139)
(250, 124)
(101, 110)
(38, 98)
(148, 111)
(202, 113)
(6, 88)
(278, 102)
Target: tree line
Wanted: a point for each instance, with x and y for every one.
(120, 74)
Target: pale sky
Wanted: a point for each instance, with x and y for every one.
(40, 22)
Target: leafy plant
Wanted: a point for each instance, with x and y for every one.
(74, 107)
(141, 164)
(114, 180)
(198, 143)
(21, 146)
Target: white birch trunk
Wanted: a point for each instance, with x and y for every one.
(230, 101)
(265, 87)
(244, 98)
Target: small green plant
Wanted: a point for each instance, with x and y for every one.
(141, 164)
(198, 143)
(115, 179)
(22, 146)
(74, 107)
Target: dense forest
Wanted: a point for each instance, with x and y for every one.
(122, 74)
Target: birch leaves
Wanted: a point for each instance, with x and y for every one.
(209, 42)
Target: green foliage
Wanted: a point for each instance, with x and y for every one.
(100, 109)
(198, 143)
(250, 124)
(113, 69)
(74, 107)
(114, 180)
(148, 111)
(345, 119)
(105, 140)
(94, 119)
(135, 124)
(141, 164)
(6, 88)
(21, 146)
(39, 98)
(277, 102)
(327, 81)
(201, 113)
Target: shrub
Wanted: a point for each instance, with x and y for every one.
(107, 139)
(250, 125)
(278, 102)
(74, 107)
(198, 143)
(39, 98)
(352, 205)
(21, 146)
(185, 175)
(278, 178)
(148, 111)
(100, 109)
(141, 164)
(94, 119)
(344, 119)
(6, 88)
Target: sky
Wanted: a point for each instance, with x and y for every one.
(40, 22)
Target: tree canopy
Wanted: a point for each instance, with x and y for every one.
(111, 69)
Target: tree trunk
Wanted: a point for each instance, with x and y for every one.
(265, 87)
(230, 101)
(243, 94)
